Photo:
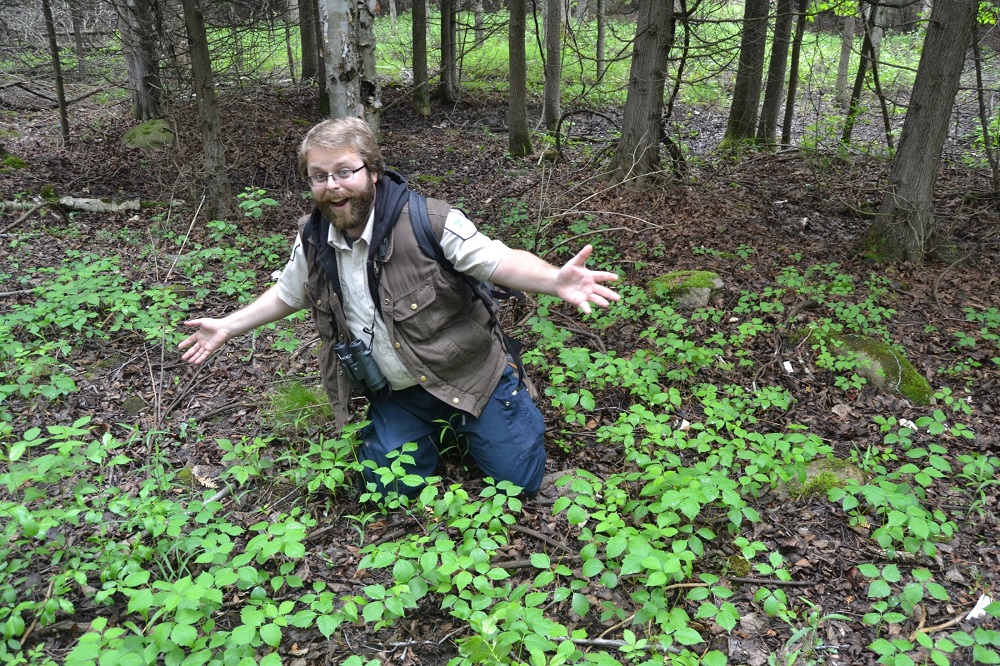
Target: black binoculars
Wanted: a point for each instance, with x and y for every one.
(356, 359)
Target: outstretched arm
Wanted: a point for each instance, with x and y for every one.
(214, 333)
(573, 282)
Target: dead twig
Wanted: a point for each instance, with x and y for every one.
(52, 204)
(541, 537)
(938, 627)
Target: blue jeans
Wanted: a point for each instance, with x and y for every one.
(506, 441)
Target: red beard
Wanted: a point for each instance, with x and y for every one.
(353, 211)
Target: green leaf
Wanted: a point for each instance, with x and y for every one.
(540, 561)
(580, 604)
(592, 568)
(869, 570)
(327, 624)
(687, 636)
(878, 589)
(576, 515)
(271, 634)
(184, 635)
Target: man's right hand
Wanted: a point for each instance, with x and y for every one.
(211, 335)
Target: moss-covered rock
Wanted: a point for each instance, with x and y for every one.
(150, 134)
(686, 289)
(822, 475)
(13, 162)
(886, 368)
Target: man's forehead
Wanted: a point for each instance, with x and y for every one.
(332, 156)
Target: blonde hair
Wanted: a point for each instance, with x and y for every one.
(341, 134)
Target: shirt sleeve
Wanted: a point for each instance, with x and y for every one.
(292, 283)
(470, 251)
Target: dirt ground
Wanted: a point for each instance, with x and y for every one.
(786, 207)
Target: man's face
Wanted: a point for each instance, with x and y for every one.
(346, 196)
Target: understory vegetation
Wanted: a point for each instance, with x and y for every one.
(728, 485)
(145, 562)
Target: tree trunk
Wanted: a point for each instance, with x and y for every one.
(349, 47)
(518, 137)
(602, 64)
(746, 91)
(308, 30)
(637, 155)
(448, 90)
(76, 16)
(479, 27)
(421, 90)
(867, 55)
(50, 28)
(775, 85)
(847, 28)
(553, 63)
(284, 7)
(219, 193)
(139, 39)
(905, 228)
(793, 77)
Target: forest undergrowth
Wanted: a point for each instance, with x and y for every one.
(161, 513)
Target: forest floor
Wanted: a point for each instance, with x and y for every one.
(745, 219)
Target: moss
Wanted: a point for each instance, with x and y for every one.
(150, 134)
(739, 566)
(670, 284)
(821, 476)
(889, 369)
(48, 193)
(14, 162)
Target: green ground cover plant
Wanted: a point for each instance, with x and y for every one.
(170, 573)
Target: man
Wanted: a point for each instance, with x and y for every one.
(437, 346)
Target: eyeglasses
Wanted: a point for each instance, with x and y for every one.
(341, 176)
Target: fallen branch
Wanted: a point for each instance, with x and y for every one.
(31, 208)
(773, 581)
(541, 537)
(938, 627)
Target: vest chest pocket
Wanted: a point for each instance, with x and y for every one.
(413, 314)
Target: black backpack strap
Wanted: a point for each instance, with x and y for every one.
(317, 229)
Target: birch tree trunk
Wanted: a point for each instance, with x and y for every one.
(349, 49)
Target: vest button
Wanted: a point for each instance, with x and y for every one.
(396, 345)
(423, 378)
(455, 400)
(413, 306)
(386, 301)
(319, 302)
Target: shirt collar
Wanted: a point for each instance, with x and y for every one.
(335, 238)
